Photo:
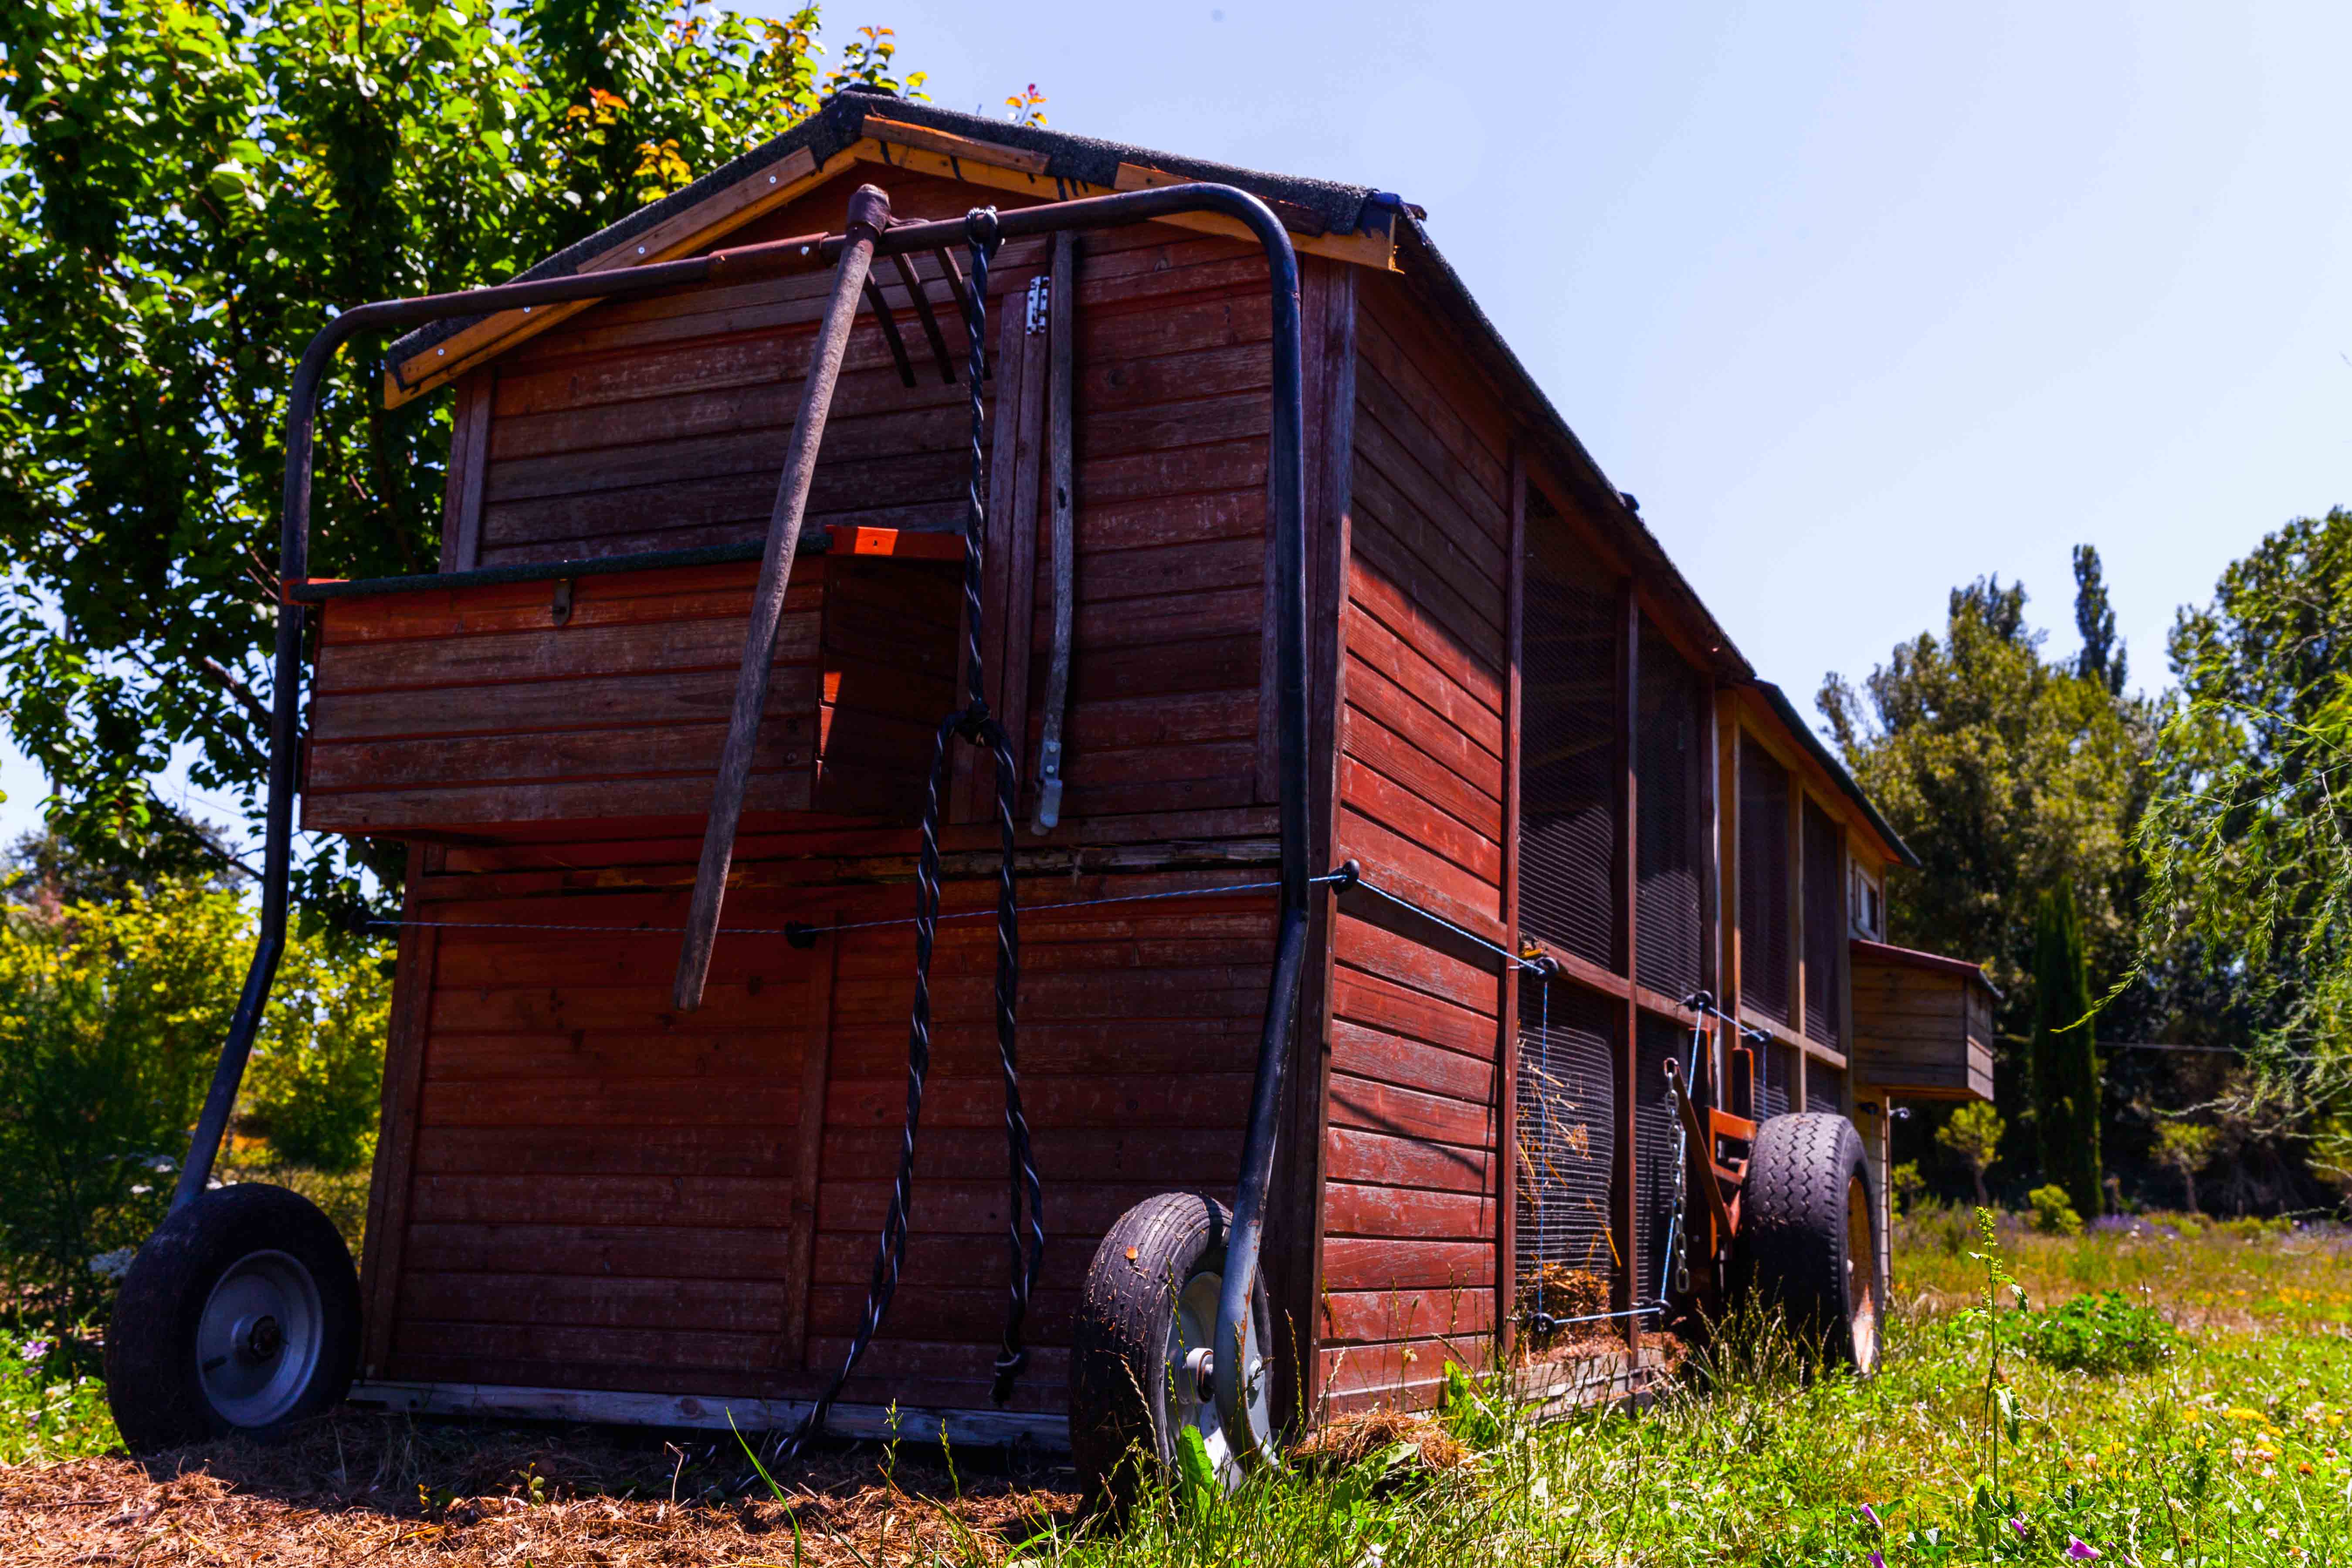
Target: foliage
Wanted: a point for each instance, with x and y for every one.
(312, 1087)
(2006, 771)
(187, 193)
(2054, 1211)
(112, 1017)
(52, 1402)
(109, 1018)
(2065, 1060)
(1972, 1136)
(2182, 1147)
(2232, 1452)
(2105, 1331)
(2101, 659)
(2246, 837)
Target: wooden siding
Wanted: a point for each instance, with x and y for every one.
(1411, 1227)
(606, 1195)
(472, 708)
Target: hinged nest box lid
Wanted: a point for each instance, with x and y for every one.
(1922, 1022)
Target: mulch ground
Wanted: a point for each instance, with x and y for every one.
(384, 1490)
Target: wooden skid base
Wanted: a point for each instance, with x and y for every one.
(605, 1407)
(1605, 1377)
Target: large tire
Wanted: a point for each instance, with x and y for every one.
(1807, 1242)
(240, 1315)
(1151, 1299)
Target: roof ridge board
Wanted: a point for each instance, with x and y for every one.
(839, 123)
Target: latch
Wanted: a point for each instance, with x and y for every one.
(560, 611)
(1041, 300)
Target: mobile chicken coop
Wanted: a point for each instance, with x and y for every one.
(991, 691)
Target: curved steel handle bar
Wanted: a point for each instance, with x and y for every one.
(1286, 514)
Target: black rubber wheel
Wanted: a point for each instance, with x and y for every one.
(240, 1315)
(1808, 1243)
(1151, 1301)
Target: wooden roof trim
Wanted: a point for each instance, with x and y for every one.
(710, 219)
(886, 142)
(1868, 951)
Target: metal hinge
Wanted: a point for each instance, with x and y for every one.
(1041, 292)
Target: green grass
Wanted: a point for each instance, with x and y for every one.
(2232, 1449)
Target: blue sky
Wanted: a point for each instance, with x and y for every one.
(1862, 301)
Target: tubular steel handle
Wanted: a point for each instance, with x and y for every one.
(869, 214)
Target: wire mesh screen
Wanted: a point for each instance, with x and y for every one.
(1567, 1120)
(1669, 749)
(1654, 1041)
(1824, 933)
(1569, 664)
(1780, 1073)
(1763, 883)
(1824, 1088)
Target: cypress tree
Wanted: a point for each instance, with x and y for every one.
(2066, 1061)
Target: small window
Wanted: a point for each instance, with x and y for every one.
(1869, 916)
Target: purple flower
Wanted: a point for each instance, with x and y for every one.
(2080, 1550)
(2018, 1524)
(1876, 1561)
(1871, 1514)
(37, 1349)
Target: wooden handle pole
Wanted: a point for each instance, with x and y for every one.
(869, 214)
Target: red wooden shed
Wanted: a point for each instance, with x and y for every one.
(1593, 855)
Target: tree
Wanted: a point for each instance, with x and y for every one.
(2066, 1085)
(2183, 1148)
(1972, 1136)
(187, 193)
(2248, 838)
(2102, 655)
(2006, 771)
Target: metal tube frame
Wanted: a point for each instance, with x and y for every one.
(1287, 515)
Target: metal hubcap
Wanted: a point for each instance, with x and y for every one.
(1862, 1274)
(258, 1339)
(1193, 1365)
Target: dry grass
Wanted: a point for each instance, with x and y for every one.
(357, 1487)
(1348, 1441)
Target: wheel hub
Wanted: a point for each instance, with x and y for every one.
(258, 1339)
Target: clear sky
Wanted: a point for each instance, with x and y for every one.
(1862, 300)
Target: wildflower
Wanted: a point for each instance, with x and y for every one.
(1877, 1560)
(37, 1349)
(2017, 1523)
(1871, 1514)
(2081, 1551)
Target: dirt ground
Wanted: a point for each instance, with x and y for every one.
(386, 1491)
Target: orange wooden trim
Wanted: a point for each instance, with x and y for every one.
(718, 214)
(907, 544)
(901, 134)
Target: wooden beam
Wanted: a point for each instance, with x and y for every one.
(470, 452)
(393, 1178)
(1625, 870)
(900, 133)
(1796, 867)
(1506, 1077)
(709, 1412)
(1295, 1248)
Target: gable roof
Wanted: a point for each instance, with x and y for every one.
(1350, 223)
